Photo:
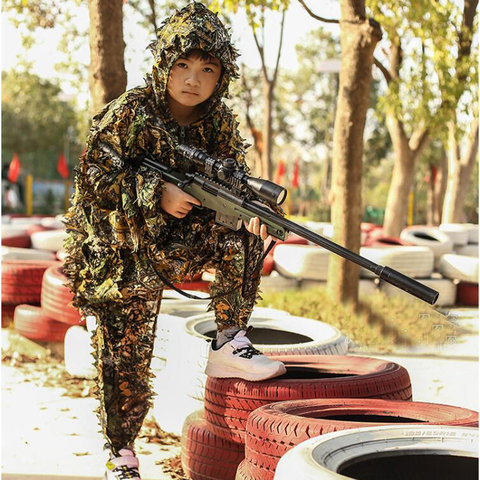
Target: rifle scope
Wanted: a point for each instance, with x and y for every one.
(226, 170)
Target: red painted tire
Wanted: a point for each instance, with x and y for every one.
(199, 285)
(22, 280)
(206, 456)
(33, 323)
(292, 239)
(467, 294)
(20, 241)
(244, 473)
(56, 298)
(7, 314)
(272, 430)
(38, 228)
(228, 402)
(268, 265)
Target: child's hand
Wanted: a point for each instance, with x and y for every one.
(176, 202)
(258, 229)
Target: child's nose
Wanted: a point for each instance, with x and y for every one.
(192, 80)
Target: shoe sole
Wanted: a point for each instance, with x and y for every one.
(228, 372)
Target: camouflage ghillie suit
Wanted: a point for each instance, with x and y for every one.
(120, 238)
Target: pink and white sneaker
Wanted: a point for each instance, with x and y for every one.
(238, 358)
(123, 467)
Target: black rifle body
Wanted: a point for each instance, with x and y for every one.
(232, 209)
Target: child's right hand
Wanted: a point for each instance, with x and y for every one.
(176, 202)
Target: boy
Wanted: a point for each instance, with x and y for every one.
(126, 226)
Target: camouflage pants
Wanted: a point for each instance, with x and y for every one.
(125, 334)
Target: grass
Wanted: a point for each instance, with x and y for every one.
(381, 323)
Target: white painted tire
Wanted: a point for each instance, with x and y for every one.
(14, 253)
(277, 283)
(457, 232)
(51, 240)
(470, 250)
(416, 262)
(324, 457)
(322, 228)
(79, 361)
(308, 262)
(53, 222)
(432, 237)
(172, 404)
(365, 287)
(25, 221)
(445, 287)
(459, 267)
(9, 231)
(472, 233)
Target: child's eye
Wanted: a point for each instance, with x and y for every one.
(208, 70)
(181, 65)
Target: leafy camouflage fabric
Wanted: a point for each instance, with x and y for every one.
(120, 239)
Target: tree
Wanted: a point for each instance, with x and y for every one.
(108, 77)
(359, 37)
(35, 122)
(421, 91)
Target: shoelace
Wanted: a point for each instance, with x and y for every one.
(124, 473)
(248, 351)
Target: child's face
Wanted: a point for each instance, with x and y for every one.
(193, 80)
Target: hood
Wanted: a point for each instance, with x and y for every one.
(194, 26)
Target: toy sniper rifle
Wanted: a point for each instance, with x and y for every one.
(231, 193)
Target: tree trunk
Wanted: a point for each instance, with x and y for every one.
(440, 188)
(459, 172)
(107, 76)
(359, 37)
(267, 129)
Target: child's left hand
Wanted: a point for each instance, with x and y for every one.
(256, 228)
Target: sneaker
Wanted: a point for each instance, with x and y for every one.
(239, 359)
(123, 467)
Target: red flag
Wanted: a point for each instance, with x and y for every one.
(296, 173)
(62, 167)
(14, 169)
(280, 171)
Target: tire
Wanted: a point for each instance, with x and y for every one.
(416, 262)
(308, 262)
(206, 456)
(470, 250)
(268, 265)
(49, 240)
(467, 294)
(172, 403)
(365, 286)
(22, 280)
(7, 314)
(33, 323)
(458, 232)
(382, 241)
(79, 362)
(277, 283)
(243, 472)
(423, 452)
(292, 239)
(273, 430)
(445, 287)
(56, 297)
(459, 267)
(432, 237)
(228, 402)
(11, 253)
(18, 241)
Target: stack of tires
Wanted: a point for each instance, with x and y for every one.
(180, 383)
(246, 427)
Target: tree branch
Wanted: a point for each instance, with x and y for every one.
(274, 79)
(316, 17)
(384, 70)
(261, 51)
